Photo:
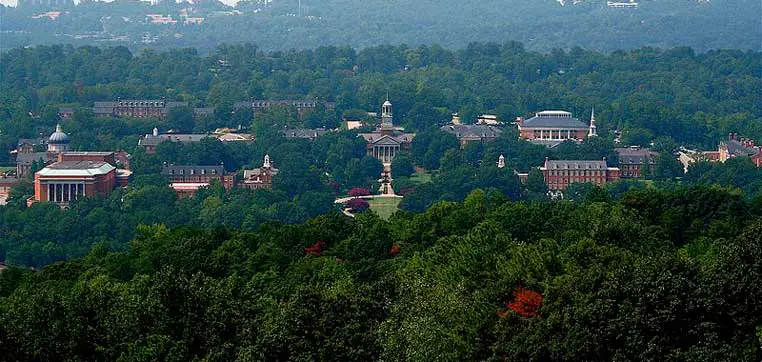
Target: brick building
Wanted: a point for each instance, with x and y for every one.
(301, 106)
(66, 181)
(141, 108)
(387, 141)
(259, 178)
(187, 180)
(634, 160)
(467, 133)
(559, 174)
(554, 127)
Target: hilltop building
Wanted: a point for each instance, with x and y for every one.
(387, 140)
(259, 178)
(551, 128)
(6, 183)
(66, 181)
(302, 106)
(149, 142)
(560, 174)
(468, 133)
(634, 160)
(733, 147)
(304, 133)
(141, 108)
(187, 180)
(26, 157)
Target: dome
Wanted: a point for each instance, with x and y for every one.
(59, 137)
(387, 103)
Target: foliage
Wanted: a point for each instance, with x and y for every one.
(618, 278)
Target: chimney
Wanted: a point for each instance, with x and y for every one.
(520, 121)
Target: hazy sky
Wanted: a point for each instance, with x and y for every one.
(13, 2)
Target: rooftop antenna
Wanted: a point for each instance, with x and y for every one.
(300, 8)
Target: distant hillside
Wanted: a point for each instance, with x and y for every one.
(542, 25)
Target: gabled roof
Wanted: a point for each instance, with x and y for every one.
(636, 156)
(304, 132)
(472, 131)
(735, 148)
(30, 157)
(151, 140)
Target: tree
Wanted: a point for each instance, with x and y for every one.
(402, 165)
(667, 167)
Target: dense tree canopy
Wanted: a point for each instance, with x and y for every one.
(654, 276)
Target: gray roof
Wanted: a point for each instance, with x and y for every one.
(636, 156)
(203, 111)
(151, 140)
(33, 141)
(247, 174)
(735, 148)
(473, 131)
(575, 165)
(185, 170)
(554, 121)
(4, 180)
(379, 138)
(76, 165)
(27, 158)
(304, 133)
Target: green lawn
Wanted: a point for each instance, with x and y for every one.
(384, 207)
(420, 177)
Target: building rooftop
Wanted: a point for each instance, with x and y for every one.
(304, 133)
(77, 168)
(151, 140)
(575, 165)
(635, 155)
(554, 119)
(31, 157)
(474, 131)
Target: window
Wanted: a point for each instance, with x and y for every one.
(182, 172)
(192, 172)
(203, 171)
(214, 172)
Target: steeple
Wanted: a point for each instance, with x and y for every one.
(267, 163)
(501, 161)
(593, 128)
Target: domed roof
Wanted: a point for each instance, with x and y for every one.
(387, 103)
(59, 137)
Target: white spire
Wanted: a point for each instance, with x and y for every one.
(267, 163)
(501, 161)
(593, 128)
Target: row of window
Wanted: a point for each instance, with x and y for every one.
(575, 173)
(192, 172)
(141, 104)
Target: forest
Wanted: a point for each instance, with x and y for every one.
(694, 98)
(290, 24)
(650, 275)
(679, 98)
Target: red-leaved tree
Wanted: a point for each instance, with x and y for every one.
(357, 205)
(359, 191)
(526, 303)
(315, 249)
(396, 248)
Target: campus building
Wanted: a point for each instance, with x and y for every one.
(468, 133)
(301, 106)
(386, 141)
(141, 108)
(187, 180)
(634, 160)
(27, 158)
(66, 181)
(559, 174)
(551, 128)
(259, 178)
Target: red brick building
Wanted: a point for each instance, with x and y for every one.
(559, 174)
(634, 160)
(187, 180)
(66, 181)
(259, 178)
(554, 127)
